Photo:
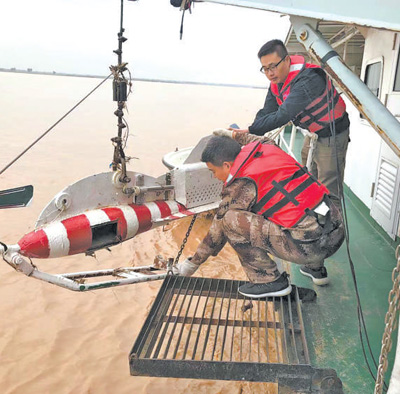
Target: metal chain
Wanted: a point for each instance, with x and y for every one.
(185, 240)
(390, 320)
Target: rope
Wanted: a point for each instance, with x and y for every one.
(52, 127)
(273, 134)
(362, 328)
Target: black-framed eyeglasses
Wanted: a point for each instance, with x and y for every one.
(272, 67)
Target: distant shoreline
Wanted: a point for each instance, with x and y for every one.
(60, 74)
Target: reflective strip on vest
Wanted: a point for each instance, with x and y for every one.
(316, 115)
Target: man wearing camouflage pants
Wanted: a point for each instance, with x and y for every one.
(270, 205)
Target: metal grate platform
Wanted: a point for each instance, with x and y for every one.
(202, 328)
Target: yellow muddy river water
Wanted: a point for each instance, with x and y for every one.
(53, 340)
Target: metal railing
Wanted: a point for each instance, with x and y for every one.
(279, 136)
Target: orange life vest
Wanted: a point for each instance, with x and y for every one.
(286, 191)
(315, 116)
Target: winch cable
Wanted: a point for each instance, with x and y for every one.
(361, 321)
(120, 95)
(360, 315)
(181, 29)
(54, 125)
(117, 72)
(186, 4)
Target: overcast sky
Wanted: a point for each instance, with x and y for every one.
(220, 43)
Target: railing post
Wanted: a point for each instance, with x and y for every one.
(293, 138)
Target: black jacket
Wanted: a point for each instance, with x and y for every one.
(309, 85)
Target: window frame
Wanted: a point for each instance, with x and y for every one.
(374, 60)
(369, 63)
(395, 63)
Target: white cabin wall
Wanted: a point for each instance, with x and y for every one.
(362, 156)
(365, 145)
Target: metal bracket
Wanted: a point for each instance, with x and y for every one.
(76, 281)
(380, 118)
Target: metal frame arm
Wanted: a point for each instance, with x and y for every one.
(76, 281)
(380, 118)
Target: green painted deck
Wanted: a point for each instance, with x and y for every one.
(331, 321)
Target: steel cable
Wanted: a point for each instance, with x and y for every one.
(52, 127)
(361, 322)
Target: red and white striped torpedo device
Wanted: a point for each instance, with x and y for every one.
(106, 209)
(100, 211)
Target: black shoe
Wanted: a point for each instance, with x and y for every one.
(278, 288)
(319, 276)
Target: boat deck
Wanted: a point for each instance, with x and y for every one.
(331, 323)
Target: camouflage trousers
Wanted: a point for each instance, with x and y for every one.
(255, 238)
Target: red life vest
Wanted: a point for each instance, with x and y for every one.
(286, 191)
(315, 116)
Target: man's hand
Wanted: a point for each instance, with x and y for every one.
(239, 130)
(223, 133)
(186, 268)
(230, 132)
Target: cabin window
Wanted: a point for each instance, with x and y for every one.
(373, 77)
(396, 86)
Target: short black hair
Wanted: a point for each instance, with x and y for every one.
(273, 46)
(220, 149)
